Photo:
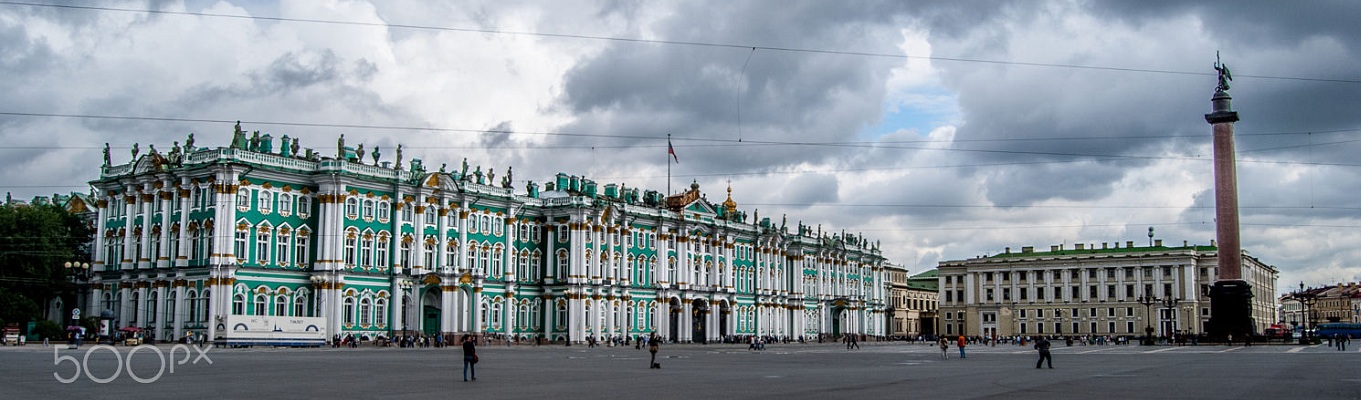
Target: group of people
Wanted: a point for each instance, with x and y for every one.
(1041, 345)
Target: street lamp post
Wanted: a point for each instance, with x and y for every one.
(80, 275)
(1148, 302)
(1307, 298)
(1171, 305)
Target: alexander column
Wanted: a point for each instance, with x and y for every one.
(1231, 296)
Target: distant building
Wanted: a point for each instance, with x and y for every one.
(1337, 303)
(1092, 291)
(192, 236)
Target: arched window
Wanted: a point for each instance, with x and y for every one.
(368, 210)
(561, 311)
(351, 207)
(381, 312)
(382, 251)
(300, 303)
(366, 250)
(239, 304)
(300, 248)
(281, 305)
(192, 297)
(365, 312)
(151, 304)
(170, 298)
(266, 202)
(262, 245)
(472, 255)
(496, 255)
(562, 265)
(285, 204)
(406, 251)
(304, 206)
(535, 266)
(348, 310)
(261, 307)
(203, 299)
(243, 199)
(497, 310)
(522, 267)
(384, 211)
(351, 237)
(430, 253)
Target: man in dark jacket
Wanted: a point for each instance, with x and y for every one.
(1042, 345)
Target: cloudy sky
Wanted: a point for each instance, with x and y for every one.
(946, 130)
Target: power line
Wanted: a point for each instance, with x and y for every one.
(673, 42)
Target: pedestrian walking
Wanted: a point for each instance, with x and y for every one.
(469, 357)
(652, 346)
(962, 342)
(944, 346)
(1043, 346)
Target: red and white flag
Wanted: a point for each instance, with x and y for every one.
(672, 151)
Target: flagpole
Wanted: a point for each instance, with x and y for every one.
(668, 164)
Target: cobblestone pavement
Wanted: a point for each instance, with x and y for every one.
(792, 371)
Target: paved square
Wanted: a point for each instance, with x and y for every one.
(877, 371)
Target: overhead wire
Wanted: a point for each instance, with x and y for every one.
(669, 42)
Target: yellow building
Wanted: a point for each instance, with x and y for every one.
(1112, 290)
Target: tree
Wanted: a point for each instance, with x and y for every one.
(35, 242)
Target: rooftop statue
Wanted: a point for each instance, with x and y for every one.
(359, 154)
(189, 144)
(107, 161)
(340, 147)
(135, 151)
(376, 155)
(399, 157)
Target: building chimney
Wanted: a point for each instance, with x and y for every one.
(1008, 250)
(1053, 247)
(1080, 246)
(1129, 244)
(1027, 249)
(1158, 242)
(1103, 245)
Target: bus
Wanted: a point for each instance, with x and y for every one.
(1336, 329)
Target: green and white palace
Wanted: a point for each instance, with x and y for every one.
(193, 238)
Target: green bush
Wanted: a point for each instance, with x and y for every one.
(50, 330)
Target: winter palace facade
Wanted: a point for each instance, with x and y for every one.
(190, 237)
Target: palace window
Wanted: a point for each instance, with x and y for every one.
(260, 307)
(243, 199)
(368, 210)
(266, 203)
(350, 243)
(262, 245)
(304, 206)
(300, 249)
(285, 204)
(347, 310)
(241, 238)
(381, 311)
(281, 305)
(365, 312)
(239, 304)
(351, 207)
(382, 260)
(384, 211)
(281, 249)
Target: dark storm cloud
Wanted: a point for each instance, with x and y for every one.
(1262, 22)
(1027, 114)
(695, 92)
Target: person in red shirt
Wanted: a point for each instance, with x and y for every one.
(961, 344)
